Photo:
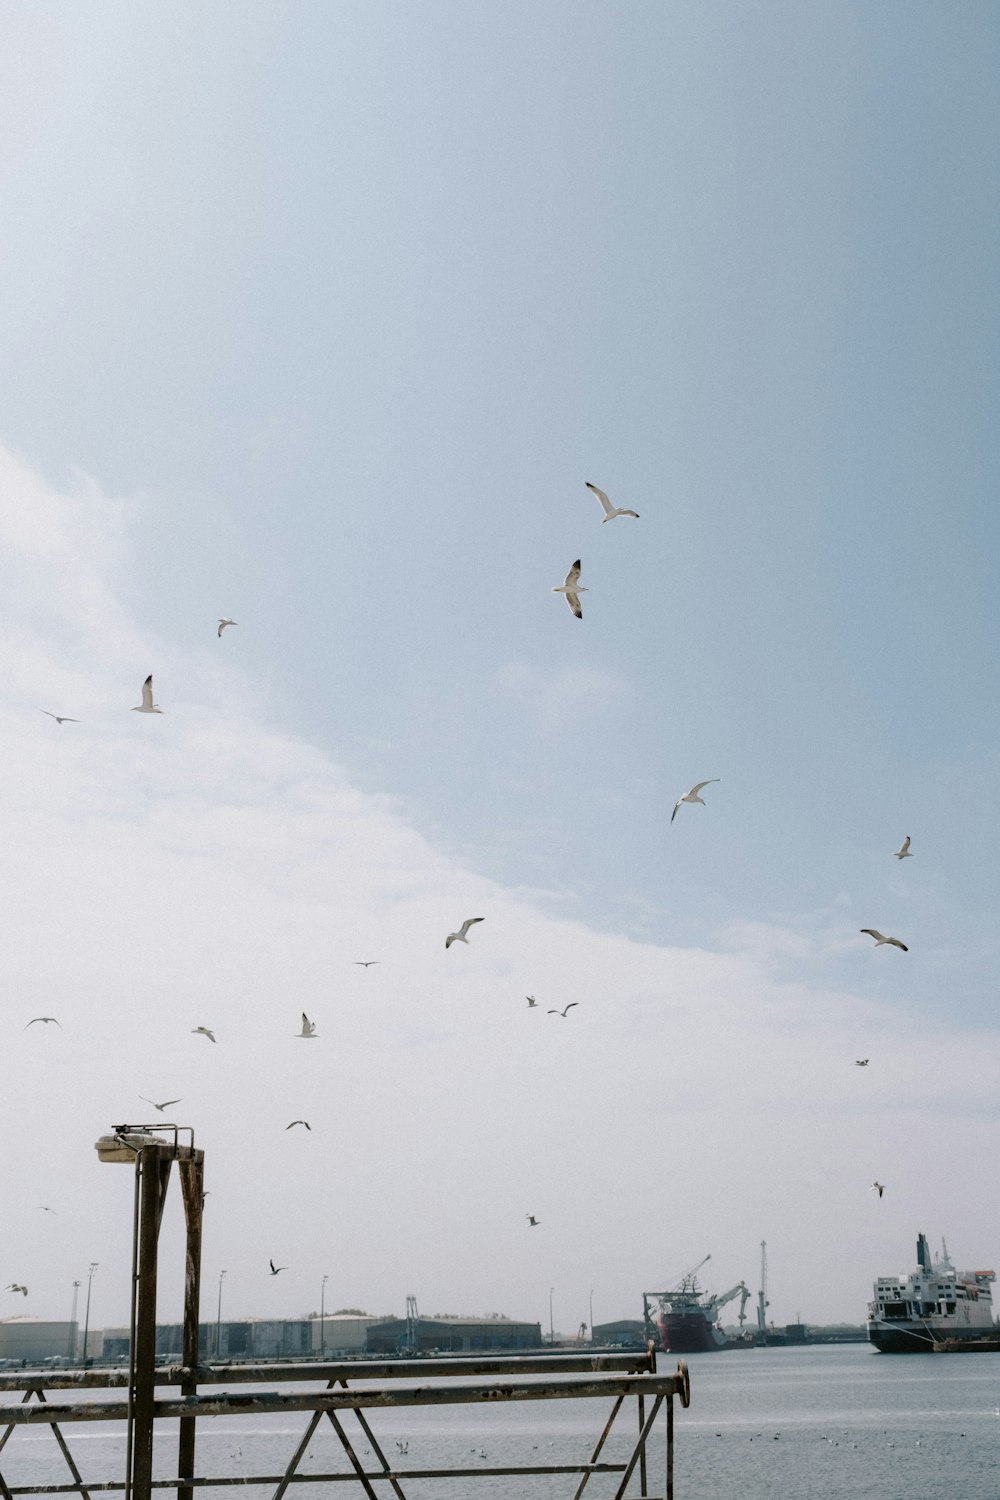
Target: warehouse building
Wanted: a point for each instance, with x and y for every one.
(445, 1334)
(36, 1340)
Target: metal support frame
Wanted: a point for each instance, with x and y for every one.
(578, 1376)
(514, 1378)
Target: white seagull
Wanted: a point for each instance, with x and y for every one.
(147, 706)
(203, 1031)
(161, 1107)
(299, 1122)
(903, 852)
(59, 718)
(572, 589)
(46, 1019)
(532, 1002)
(224, 623)
(692, 795)
(15, 1286)
(461, 935)
(308, 1027)
(43, 1208)
(878, 1187)
(366, 963)
(563, 1012)
(276, 1269)
(861, 1062)
(610, 511)
(881, 939)
(533, 1223)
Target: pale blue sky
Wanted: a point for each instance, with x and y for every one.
(347, 302)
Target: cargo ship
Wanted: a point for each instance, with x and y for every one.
(685, 1320)
(934, 1305)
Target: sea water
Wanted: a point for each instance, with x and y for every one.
(820, 1422)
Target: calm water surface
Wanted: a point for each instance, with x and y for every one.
(814, 1423)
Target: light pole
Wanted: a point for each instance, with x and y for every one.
(591, 1314)
(218, 1317)
(552, 1331)
(71, 1341)
(86, 1320)
(322, 1317)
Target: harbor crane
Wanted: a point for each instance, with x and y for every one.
(739, 1290)
(762, 1302)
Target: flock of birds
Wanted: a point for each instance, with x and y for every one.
(571, 589)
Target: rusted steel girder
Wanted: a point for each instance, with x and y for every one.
(639, 1361)
(237, 1403)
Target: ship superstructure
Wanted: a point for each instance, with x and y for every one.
(685, 1319)
(935, 1302)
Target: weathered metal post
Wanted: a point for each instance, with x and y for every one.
(193, 1191)
(154, 1171)
(153, 1157)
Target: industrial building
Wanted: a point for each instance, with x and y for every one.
(446, 1334)
(630, 1332)
(40, 1339)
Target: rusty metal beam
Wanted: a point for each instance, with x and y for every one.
(192, 1175)
(235, 1403)
(330, 1370)
(154, 1170)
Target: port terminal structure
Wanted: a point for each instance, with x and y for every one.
(331, 1390)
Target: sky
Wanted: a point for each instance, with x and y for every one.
(321, 317)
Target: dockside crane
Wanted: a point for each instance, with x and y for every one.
(762, 1302)
(739, 1290)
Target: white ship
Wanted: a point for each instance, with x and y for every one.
(935, 1302)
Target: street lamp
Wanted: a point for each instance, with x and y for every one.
(73, 1334)
(218, 1318)
(86, 1321)
(591, 1314)
(552, 1332)
(322, 1317)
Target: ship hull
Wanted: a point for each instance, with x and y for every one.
(919, 1338)
(688, 1333)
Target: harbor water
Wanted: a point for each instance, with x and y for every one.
(820, 1422)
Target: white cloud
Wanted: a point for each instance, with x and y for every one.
(204, 868)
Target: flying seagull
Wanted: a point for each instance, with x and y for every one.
(878, 1187)
(903, 852)
(460, 935)
(861, 1062)
(203, 1031)
(275, 1269)
(532, 1002)
(365, 963)
(15, 1286)
(299, 1122)
(572, 589)
(692, 795)
(59, 718)
(881, 939)
(563, 1012)
(308, 1027)
(610, 511)
(533, 1223)
(43, 1208)
(166, 1103)
(147, 706)
(224, 623)
(46, 1019)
